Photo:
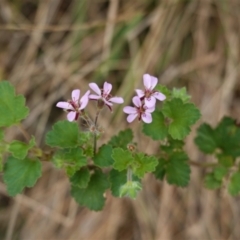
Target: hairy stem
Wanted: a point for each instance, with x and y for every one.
(129, 174)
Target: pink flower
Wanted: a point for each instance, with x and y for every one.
(140, 110)
(104, 94)
(149, 94)
(75, 106)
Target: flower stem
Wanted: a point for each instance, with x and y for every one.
(129, 174)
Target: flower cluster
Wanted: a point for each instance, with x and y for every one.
(75, 107)
(145, 101)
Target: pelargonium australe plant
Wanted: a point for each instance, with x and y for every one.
(118, 165)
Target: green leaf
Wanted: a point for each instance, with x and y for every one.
(12, 107)
(205, 139)
(181, 94)
(122, 159)
(81, 178)
(178, 170)
(181, 115)
(211, 182)
(219, 172)
(19, 174)
(160, 170)
(20, 149)
(64, 134)
(1, 162)
(71, 159)
(1, 134)
(225, 138)
(143, 164)
(157, 129)
(226, 161)
(234, 184)
(117, 179)
(92, 196)
(122, 139)
(163, 89)
(130, 189)
(103, 157)
(172, 146)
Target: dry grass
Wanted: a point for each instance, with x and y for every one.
(49, 47)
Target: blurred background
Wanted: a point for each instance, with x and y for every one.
(50, 47)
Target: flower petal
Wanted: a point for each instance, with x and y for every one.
(147, 117)
(94, 97)
(154, 82)
(65, 105)
(107, 102)
(137, 102)
(147, 81)
(149, 109)
(159, 96)
(131, 117)
(75, 95)
(84, 100)
(118, 100)
(150, 102)
(95, 88)
(71, 116)
(107, 87)
(140, 93)
(130, 110)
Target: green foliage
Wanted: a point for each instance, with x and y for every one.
(122, 159)
(225, 137)
(176, 169)
(160, 170)
(20, 149)
(234, 184)
(81, 178)
(1, 162)
(181, 116)
(143, 164)
(163, 89)
(157, 129)
(117, 179)
(1, 134)
(71, 159)
(122, 139)
(130, 189)
(103, 158)
(19, 174)
(92, 196)
(181, 94)
(64, 134)
(211, 182)
(12, 107)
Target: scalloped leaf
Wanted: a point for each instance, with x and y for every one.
(103, 157)
(178, 169)
(143, 164)
(181, 115)
(64, 134)
(81, 178)
(234, 184)
(70, 159)
(19, 174)
(157, 129)
(122, 139)
(92, 196)
(12, 107)
(122, 159)
(20, 149)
